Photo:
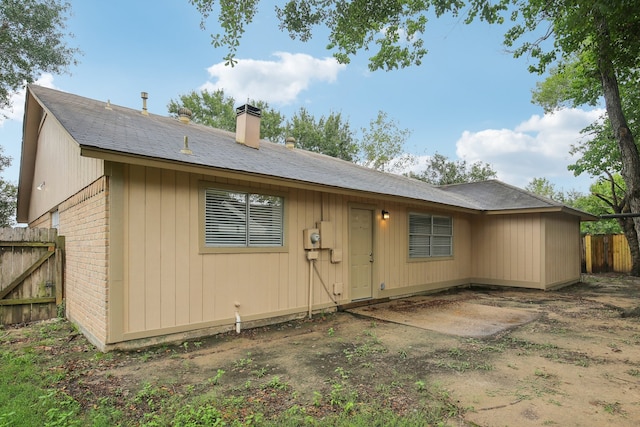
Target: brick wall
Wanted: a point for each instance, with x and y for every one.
(84, 221)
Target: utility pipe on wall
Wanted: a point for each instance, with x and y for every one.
(311, 261)
(238, 323)
(238, 319)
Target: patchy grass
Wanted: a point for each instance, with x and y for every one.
(339, 370)
(50, 376)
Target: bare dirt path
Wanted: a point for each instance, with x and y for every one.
(573, 361)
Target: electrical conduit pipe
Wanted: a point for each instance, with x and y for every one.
(310, 286)
(238, 319)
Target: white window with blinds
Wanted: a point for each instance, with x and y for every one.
(430, 236)
(234, 219)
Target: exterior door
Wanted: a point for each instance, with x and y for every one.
(361, 253)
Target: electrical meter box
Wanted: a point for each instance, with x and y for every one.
(311, 238)
(327, 231)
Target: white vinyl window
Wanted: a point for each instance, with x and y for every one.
(430, 236)
(237, 219)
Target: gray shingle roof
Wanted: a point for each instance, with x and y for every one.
(494, 195)
(126, 131)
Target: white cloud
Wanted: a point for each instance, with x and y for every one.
(15, 111)
(276, 82)
(536, 148)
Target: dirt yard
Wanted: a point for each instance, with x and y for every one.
(571, 359)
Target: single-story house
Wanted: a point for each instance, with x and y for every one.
(176, 230)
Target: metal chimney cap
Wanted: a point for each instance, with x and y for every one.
(249, 109)
(184, 115)
(290, 142)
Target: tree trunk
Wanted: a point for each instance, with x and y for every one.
(626, 143)
(629, 231)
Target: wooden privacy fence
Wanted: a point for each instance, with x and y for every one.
(31, 275)
(606, 253)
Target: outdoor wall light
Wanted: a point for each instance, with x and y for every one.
(41, 186)
(385, 214)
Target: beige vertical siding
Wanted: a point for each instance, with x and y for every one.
(507, 250)
(60, 167)
(401, 275)
(562, 254)
(170, 284)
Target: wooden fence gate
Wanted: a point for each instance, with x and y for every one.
(606, 253)
(31, 274)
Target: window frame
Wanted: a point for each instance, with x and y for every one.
(248, 191)
(430, 236)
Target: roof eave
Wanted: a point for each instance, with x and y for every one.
(584, 216)
(31, 122)
(127, 158)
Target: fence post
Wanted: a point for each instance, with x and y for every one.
(60, 242)
(587, 253)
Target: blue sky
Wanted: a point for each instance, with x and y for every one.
(468, 100)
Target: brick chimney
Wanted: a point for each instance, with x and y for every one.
(248, 126)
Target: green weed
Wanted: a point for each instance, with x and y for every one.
(342, 373)
(260, 372)
(62, 409)
(216, 379)
(276, 383)
(612, 408)
(634, 372)
(201, 415)
(243, 363)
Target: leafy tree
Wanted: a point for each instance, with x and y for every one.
(328, 135)
(218, 110)
(571, 87)
(545, 188)
(599, 153)
(595, 206)
(382, 145)
(395, 27)
(442, 171)
(603, 35)
(209, 109)
(8, 194)
(32, 41)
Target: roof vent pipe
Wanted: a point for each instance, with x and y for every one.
(248, 126)
(186, 149)
(144, 96)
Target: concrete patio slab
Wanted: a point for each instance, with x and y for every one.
(466, 317)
